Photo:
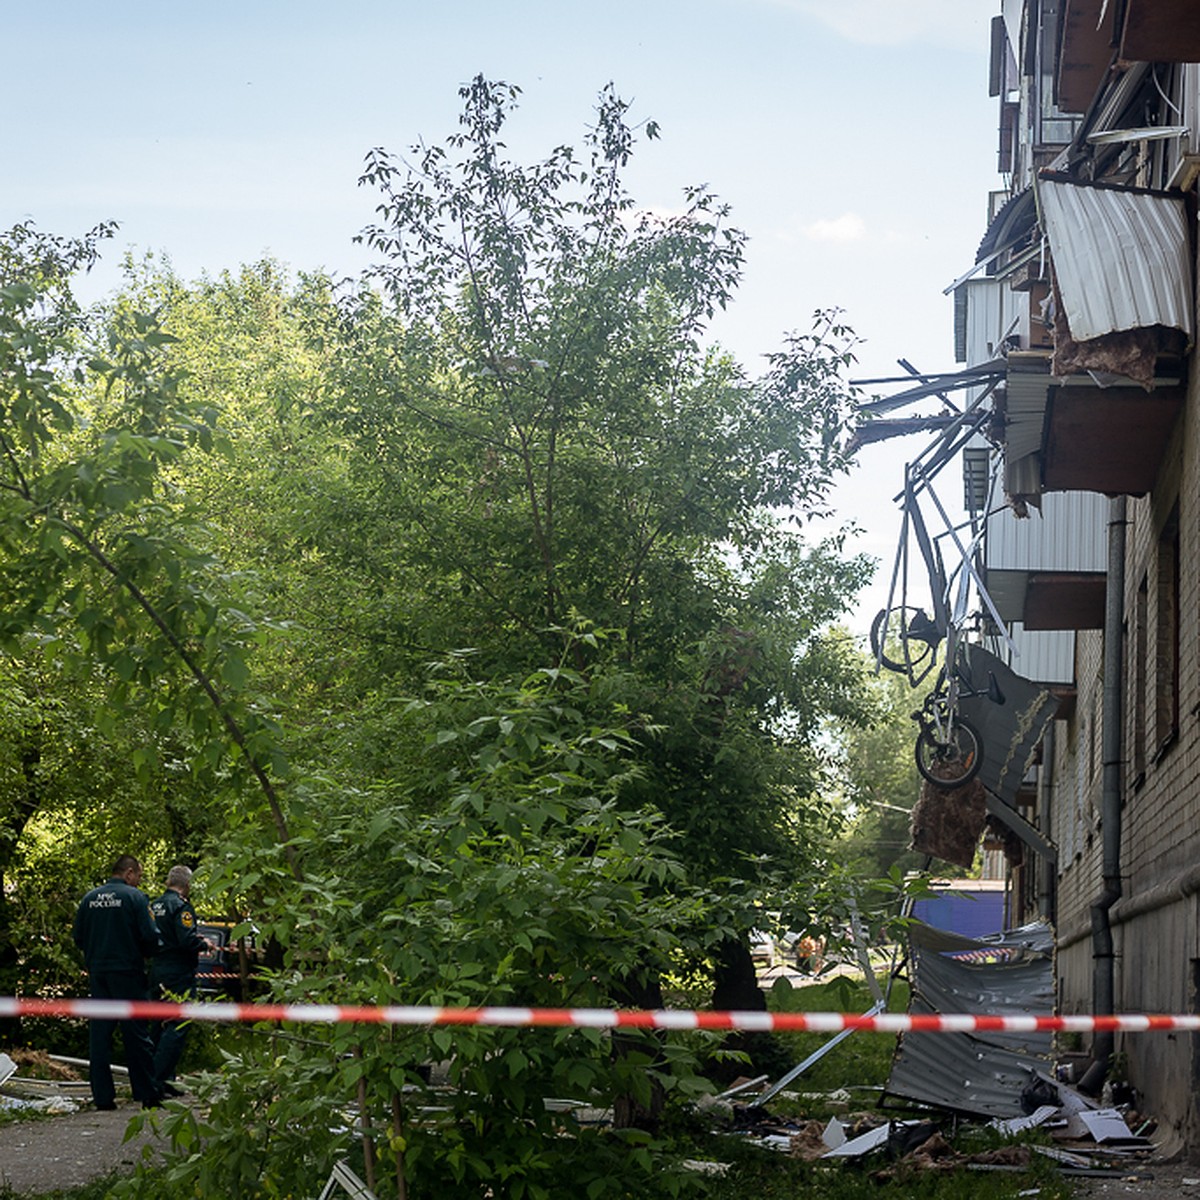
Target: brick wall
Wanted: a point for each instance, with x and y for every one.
(1157, 920)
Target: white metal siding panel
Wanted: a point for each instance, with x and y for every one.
(1044, 656)
(984, 301)
(1070, 535)
(1120, 257)
(994, 311)
(1025, 413)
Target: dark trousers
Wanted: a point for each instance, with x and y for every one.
(139, 1051)
(173, 1034)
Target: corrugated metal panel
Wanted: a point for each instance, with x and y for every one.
(1070, 535)
(1025, 407)
(1010, 729)
(1120, 256)
(1015, 217)
(960, 323)
(983, 331)
(1045, 656)
(994, 312)
(981, 1073)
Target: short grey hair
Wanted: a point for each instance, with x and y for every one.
(179, 876)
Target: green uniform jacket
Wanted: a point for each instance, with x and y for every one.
(181, 940)
(114, 928)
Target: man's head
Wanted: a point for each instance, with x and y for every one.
(128, 869)
(179, 879)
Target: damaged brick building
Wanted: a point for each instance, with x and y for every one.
(1082, 304)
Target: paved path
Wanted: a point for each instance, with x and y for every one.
(67, 1151)
(1150, 1181)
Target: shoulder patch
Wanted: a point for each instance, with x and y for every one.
(187, 919)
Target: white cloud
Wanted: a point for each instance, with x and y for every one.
(958, 23)
(849, 227)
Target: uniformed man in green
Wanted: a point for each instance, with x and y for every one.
(173, 969)
(114, 929)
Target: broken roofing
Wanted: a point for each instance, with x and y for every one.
(981, 1073)
(1121, 256)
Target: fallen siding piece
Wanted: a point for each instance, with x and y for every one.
(982, 1074)
(863, 1144)
(1107, 1125)
(341, 1176)
(1018, 1124)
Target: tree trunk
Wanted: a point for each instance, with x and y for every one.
(736, 989)
(736, 981)
(628, 1111)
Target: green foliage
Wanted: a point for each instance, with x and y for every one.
(545, 424)
(101, 569)
(529, 887)
(540, 420)
(768, 1175)
(97, 1189)
(882, 779)
(123, 658)
(511, 439)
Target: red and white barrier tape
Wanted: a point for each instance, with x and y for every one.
(593, 1018)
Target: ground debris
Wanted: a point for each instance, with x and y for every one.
(38, 1064)
(808, 1142)
(937, 1154)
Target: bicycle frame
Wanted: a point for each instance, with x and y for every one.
(949, 750)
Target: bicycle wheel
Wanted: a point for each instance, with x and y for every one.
(916, 634)
(953, 762)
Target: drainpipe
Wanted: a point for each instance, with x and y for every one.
(1103, 974)
(1046, 866)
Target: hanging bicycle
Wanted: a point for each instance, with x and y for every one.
(949, 749)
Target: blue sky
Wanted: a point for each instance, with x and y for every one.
(854, 139)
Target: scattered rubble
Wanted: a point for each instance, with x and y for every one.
(56, 1088)
(996, 1083)
(1088, 1141)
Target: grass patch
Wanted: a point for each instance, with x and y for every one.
(13, 1116)
(861, 1060)
(98, 1189)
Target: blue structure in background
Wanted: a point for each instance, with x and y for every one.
(973, 908)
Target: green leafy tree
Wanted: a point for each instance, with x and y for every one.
(528, 886)
(550, 436)
(102, 570)
(546, 423)
(511, 443)
(882, 781)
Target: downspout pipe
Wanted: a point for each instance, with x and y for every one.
(1046, 867)
(1103, 972)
